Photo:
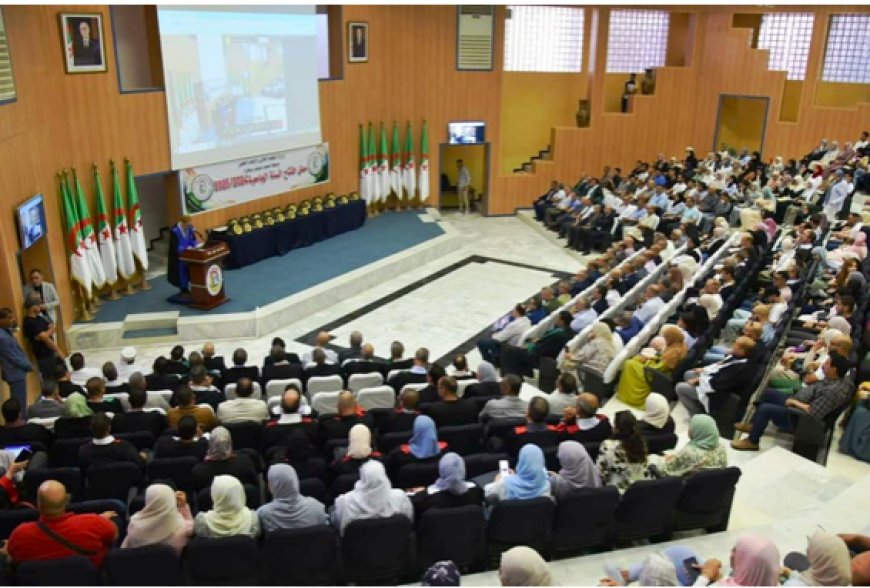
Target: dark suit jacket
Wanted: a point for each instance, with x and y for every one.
(234, 374)
(161, 382)
(66, 388)
(732, 377)
(215, 364)
(552, 342)
(400, 364)
(324, 369)
(281, 372)
(291, 357)
(399, 381)
(364, 367)
(449, 414)
(600, 306)
(349, 354)
(25, 434)
(139, 420)
(117, 451)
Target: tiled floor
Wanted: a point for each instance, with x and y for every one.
(779, 493)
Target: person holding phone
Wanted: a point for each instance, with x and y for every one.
(14, 460)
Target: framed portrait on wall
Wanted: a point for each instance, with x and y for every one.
(357, 42)
(83, 42)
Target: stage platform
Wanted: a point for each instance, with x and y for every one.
(277, 291)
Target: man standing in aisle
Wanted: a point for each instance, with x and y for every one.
(40, 333)
(13, 360)
(463, 182)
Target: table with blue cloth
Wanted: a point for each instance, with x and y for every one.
(278, 239)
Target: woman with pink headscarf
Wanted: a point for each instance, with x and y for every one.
(856, 249)
(754, 562)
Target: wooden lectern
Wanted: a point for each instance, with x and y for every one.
(206, 275)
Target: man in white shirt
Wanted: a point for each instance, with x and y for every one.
(463, 182)
(584, 315)
(322, 340)
(127, 365)
(81, 374)
(510, 334)
(244, 408)
(836, 196)
(652, 304)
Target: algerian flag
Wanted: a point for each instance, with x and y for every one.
(363, 166)
(373, 185)
(98, 274)
(409, 174)
(137, 231)
(384, 166)
(104, 233)
(396, 168)
(123, 246)
(424, 164)
(78, 265)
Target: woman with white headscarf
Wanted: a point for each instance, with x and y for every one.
(487, 382)
(596, 353)
(359, 451)
(165, 520)
(830, 563)
(372, 497)
(288, 508)
(229, 515)
(450, 489)
(578, 470)
(522, 566)
(656, 417)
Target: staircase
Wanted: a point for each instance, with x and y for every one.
(526, 167)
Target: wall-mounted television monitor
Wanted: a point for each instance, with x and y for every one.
(467, 132)
(31, 221)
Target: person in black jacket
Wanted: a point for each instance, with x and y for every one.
(16, 431)
(450, 490)
(138, 419)
(349, 413)
(186, 443)
(240, 370)
(415, 375)
(203, 390)
(452, 410)
(278, 343)
(320, 366)
(177, 364)
(63, 377)
(159, 378)
(366, 363)
(96, 398)
(280, 367)
(212, 362)
(429, 393)
(104, 448)
(277, 431)
(403, 417)
(716, 381)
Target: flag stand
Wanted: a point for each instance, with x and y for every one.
(113, 294)
(84, 314)
(128, 290)
(144, 285)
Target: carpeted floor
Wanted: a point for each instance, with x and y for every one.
(279, 277)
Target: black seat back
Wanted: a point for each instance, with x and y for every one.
(139, 439)
(344, 483)
(227, 561)
(69, 571)
(482, 463)
(70, 477)
(11, 518)
(584, 518)
(390, 441)
(71, 427)
(151, 565)
(315, 488)
(65, 452)
(646, 510)
(456, 534)
(319, 566)
(463, 439)
(377, 550)
(660, 442)
(521, 522)
(705, 501)
(177, 469)
(414, 475)
(113, 480)
(246, 435)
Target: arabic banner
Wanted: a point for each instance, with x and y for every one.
(215, 186)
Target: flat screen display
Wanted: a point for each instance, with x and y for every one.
(467, 132)
(31, 221)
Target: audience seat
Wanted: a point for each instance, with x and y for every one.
(12, 517)
(344, 484)
(457, 534)
(414, 475)
(706, 499)
(390, 441)
(378, 551)
(177, 469)
(646, 510)
(661, 442)
(70, 477)
(594, 382)
(230, 391)
(228, 561)
(357, 382)
(141, 440)
(281, 564)
(584, 518)
(463, 439)
(324, 402)
(317, 384)
(65, 452)
(375, 397)
(520, 522)
(72, 427)
(69, 571)
(246, 435)
(482, 463)
(113, 480)
(151, 565)
(315, 488)
(813, 436)
(277, 387)
(164, 394)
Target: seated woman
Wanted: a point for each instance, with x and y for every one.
(220, 460)
(856, 438)
(856, 249)
(578, 470)
(754, 562)
(523, 566)
(623, 459)
(450, 489)
(660, 568)
(359, 451)
(704, 451)
(487, 382)
(633, 386)
(830, 563)
(165, 520)
(288, 509)
(529, 481)
(229, 515)
(596, 353)
(423, 447)
(76, 406)
(656, 416)
(371, 498)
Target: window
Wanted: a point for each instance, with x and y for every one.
(638, 40)
(847, 56)
(787, 36)
(543, 38)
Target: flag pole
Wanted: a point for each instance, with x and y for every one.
(84, 314)
(143, 285)
(92, 303)
(113, 292)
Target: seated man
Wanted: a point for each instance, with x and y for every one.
(451, 410)
(291, 419)
(204, 416)
(64, 381)
(160, 378)
(818, 400)
(49, 404)
(366, 363)
(583, 315)
(521, 361)
(127, 364)
(16, 431)
(397, 361)
(81, 374)
(204, 391)
(111, 380)
(415, 375)
(651, 305)
(97, 401)
(244, 407)
(240, 369)
(565, 394)
(429, 393)
(728, 376)
(320, 342)
(280, 367)
(583, 423)
(35, 541)
(536, 428)
(177, 364)
(354, 351)
(320, 365)
(138, 418)
(104, 448)
(510, 405)
(510, 334)
(152, 401)
(403, 417)
(186, 443)
(212, 362)
(459, 368)
(348, 414)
